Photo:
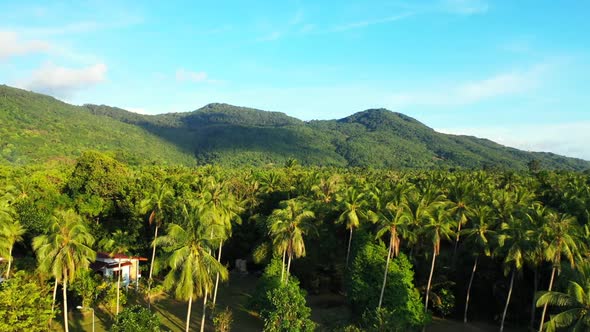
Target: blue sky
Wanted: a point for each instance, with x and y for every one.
(517, 72)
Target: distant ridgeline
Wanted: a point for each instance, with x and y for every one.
(35, 128)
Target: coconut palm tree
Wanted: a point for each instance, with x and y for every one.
(353, 210)
(155, 204)
(116, 245)
(191, 264)
(575, 303)
(11, 232)
(288, 225)
(513, 244)
(479, 239)
(436, 228)
(560, 232)
(393, 218)
(64, 251)
(460, 202)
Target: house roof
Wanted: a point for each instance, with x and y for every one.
(118, 256)
(103, 266)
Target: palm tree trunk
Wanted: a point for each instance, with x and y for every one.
(65, 286)
(429, 281)
(53, 302)
(217, 277)
(204, 311)
(385, 275)
(119, 285)
(152, 269)
(545, 306)
(288, 266)
(348, 250)
(507, 300)
(283, 266)
(457, 238)
(188, 313)
(469, 288)
(533, 305)
(9, 262)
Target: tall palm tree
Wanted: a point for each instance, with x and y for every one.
(478, 237)
(561, 236)
(393, 218)
(191, 264)
(353, 210)
(64, 250)
(155, 204)
(513, 244)
(460, 201)
(116, 245)
(575, 303)
(11, 232)
(436, 228)
(288, 225)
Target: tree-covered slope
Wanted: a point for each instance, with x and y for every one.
(40, 127)
(36, 128)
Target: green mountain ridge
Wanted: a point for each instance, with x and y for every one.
(237, 136)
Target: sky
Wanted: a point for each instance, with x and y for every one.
(516, 72)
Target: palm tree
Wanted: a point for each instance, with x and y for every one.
(460, 197)
(116, 245)
(393, 218)
(353, 204)
(575, 301)
(11, 232)
(436, 228)
(288, 225)
(514, 243)
(560, 234)
(191, 263)
(478, 238)
(64, 250)
(156, 203)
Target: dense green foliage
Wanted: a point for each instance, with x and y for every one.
(37, 128)
(136, 318)
(25, 304)
(402, 299)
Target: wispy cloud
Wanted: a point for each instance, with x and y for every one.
(184, 75)
(536, 137)
(366, 23)
(62, 81)
(465, 7)
(272, 36)
(12, 45)
(503, 84)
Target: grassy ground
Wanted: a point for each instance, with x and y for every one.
(327, 310)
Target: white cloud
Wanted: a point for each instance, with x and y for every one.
(465, 7)
(62, 81)
(275, 35)
(465, 93)
(569, 139)
(11, 45)
(138, 110)
(183, 75)
(366, 23)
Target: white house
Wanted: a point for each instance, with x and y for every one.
(108, 266)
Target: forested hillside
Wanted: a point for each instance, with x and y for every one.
(37, 128)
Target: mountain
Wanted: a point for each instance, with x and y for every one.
(40, 127)
(36, 128)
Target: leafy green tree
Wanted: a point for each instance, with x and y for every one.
(191, 263)
(136, 318)
(288, 310)
(11, 232)
(288, 225)
(64, 251)
(88, 285)
(25, 304)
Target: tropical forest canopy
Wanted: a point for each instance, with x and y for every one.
(401, 246)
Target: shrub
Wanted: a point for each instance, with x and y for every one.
(136, 318)
(222, 320)
(288, 310)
